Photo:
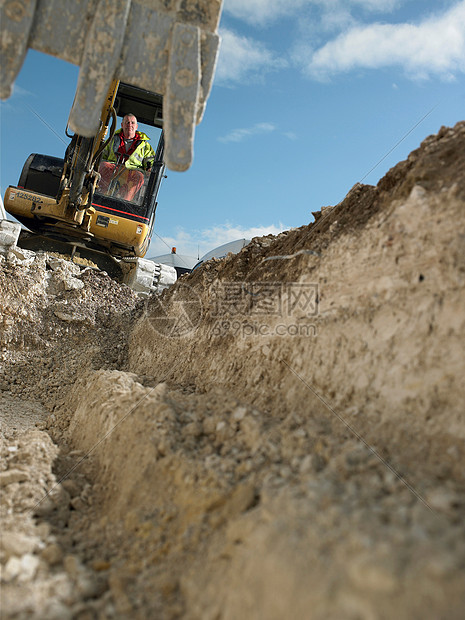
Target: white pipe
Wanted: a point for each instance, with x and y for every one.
(2, 210)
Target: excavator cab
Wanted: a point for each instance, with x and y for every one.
(147, 108)
(111, 203)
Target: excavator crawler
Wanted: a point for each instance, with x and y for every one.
(151, 58)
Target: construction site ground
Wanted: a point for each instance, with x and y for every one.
(280, 435)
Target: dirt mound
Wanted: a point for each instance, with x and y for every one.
(281, 434)
(57, 319)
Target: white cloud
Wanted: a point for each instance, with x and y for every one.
(264, 12)
(261, 12)
(197, 243)
(217, 235)
(378, 5)
(19, 91)
(238, 135)
(242, 58)
(18, 95)
(435, 46)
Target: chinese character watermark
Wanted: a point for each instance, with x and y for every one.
(238, 308)
(252, 308)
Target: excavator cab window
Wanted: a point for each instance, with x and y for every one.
(135, 189)
(128, 184)
(122, 183)
(132, 196)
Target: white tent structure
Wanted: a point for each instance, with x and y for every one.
(181, 262)
(221, 251)
(184, 264)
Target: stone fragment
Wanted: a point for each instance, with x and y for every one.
(12, 569)
(71, 486)
(52, 554)
(78, 503)
(12, 475)
(23, 569)
(60, 264)
(27, 257)
(43, 530)
(45, 507)
(72, 565)
(15, 543)
(209, 426)
(9, 233)
(239, 413)
(442, 499)
(306, 464)
(90, 587)
(29, 566)
(100, 565)
(70, 318)
(73, 284)
(194, 429)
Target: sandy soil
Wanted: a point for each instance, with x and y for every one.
(279, 435)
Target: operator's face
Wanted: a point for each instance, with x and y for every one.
(129, 126)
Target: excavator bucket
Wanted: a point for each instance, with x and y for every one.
(164, 46)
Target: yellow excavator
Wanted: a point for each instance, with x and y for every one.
(62, 205)
(154, 59)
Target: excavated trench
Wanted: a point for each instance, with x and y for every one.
(279, 435)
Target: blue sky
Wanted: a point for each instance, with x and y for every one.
(309, 96)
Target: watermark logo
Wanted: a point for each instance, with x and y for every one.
(245, 328)
(280, 299)
(254, 308)
(241, 309)
(177, 315)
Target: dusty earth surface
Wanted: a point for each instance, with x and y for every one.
(279, 435)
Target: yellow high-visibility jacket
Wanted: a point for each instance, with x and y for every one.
(141, 155)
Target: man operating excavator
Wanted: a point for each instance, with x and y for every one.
(125, 157)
